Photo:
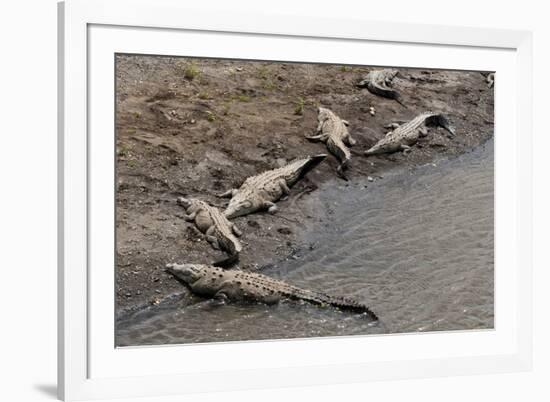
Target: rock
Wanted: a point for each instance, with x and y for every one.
(253, 224)
(370, 178)
(284, 230)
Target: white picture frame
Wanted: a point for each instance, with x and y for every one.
(90, 367)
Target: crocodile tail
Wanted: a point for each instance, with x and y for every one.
(227, 262)
(442, 121)
(310, 163)
(323, 299)
(351, 305)
(384, 92)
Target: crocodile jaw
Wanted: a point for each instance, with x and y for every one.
(237, 207)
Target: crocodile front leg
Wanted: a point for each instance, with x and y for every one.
(190, 217)
(236, 230)
(422, 132)
(392, 126)
(270, 206)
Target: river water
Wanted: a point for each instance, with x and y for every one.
(416, 246)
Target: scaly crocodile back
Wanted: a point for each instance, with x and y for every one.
(252, 282)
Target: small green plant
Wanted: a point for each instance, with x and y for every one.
(203, 95)
(136, 115)
(132, 163)
(210, 116)
(263, 72)
(191, 71)
(299, 106)
(243, 98)
(122, 151)
(225, 109)
(345, 68)
(269, 85)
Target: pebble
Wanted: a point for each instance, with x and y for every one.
(370, 178)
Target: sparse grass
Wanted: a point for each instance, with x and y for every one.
(136, 115)
(269, 85)
(267, 76)
(203, 95)
(131, 130)
(345, 68)
(132, 163)
(243, 98)
(191, 71)
(299, 106)
(210, 116)
(264, 73)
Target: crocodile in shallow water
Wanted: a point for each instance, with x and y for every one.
(237, 285)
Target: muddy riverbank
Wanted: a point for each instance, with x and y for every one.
(199, 127)
(417, 247)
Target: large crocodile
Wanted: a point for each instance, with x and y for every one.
(333, 131)
(379, 82)
(237, 285)
(220, 232)
(406, 135)
(263, 190)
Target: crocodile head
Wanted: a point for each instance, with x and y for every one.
(188, 273)
(323, 114)
(185, 202)
(239, 207)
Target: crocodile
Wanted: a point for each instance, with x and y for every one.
(406, 135)
(490, 80)
(220, 232)
(263, 190)
(237, 285)
(333, 131)
(379, 82)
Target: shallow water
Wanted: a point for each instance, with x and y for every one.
(415, 246)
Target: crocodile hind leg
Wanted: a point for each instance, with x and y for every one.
(212, 239)
(320, 137)
(284, 187)
(229, 193)
(348, 140)
(341, 168)
(405, 148)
